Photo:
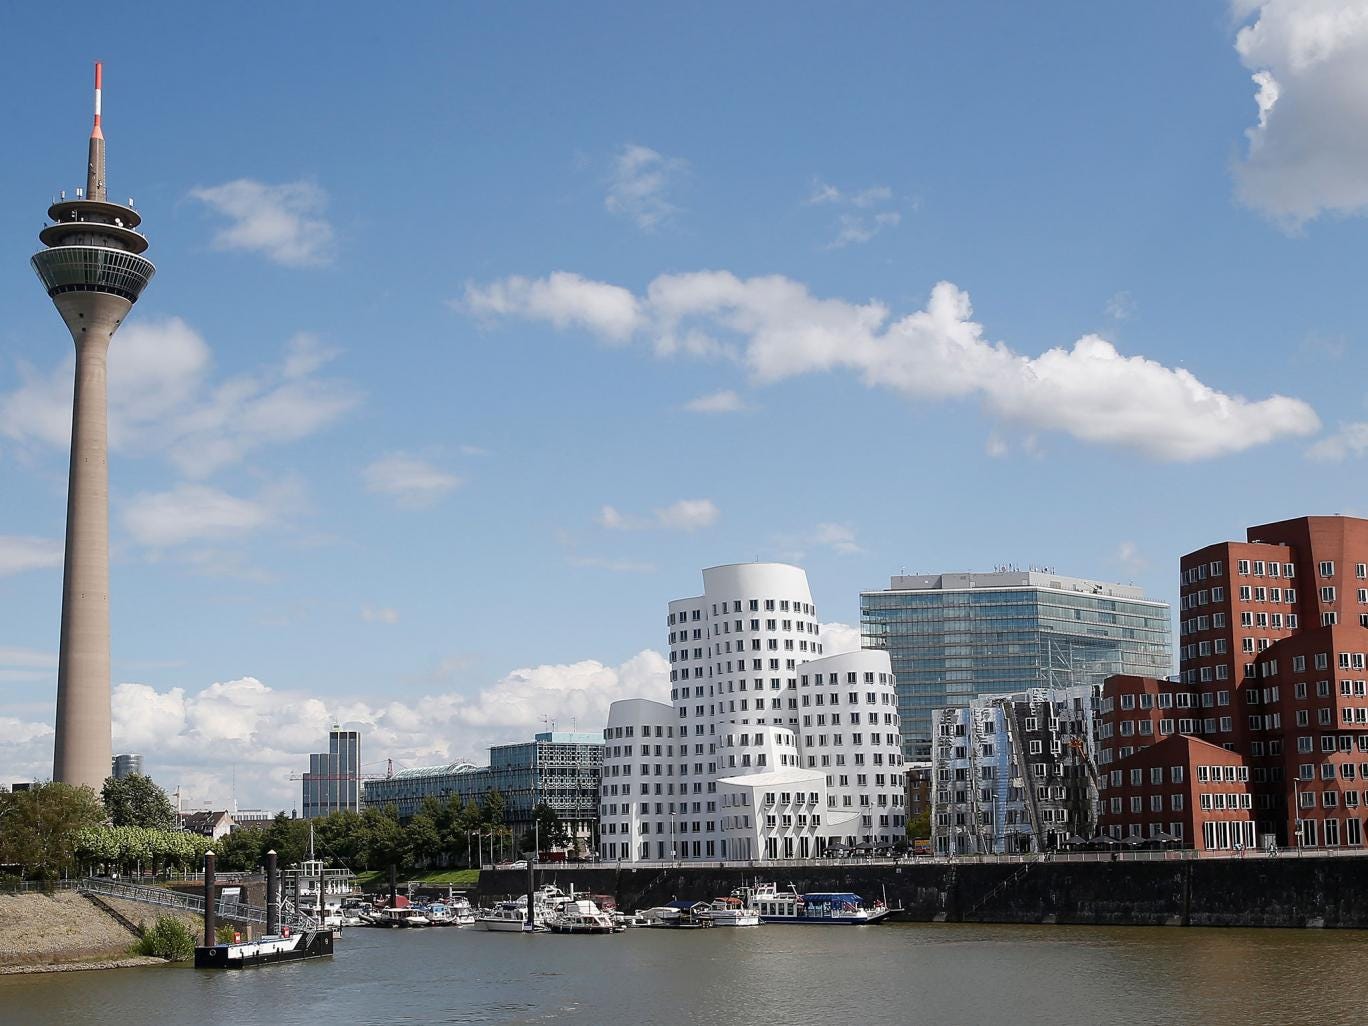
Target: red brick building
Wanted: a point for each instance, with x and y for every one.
(1274, 635)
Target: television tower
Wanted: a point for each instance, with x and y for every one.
(94, 271)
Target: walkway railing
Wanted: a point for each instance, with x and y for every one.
(161, 897)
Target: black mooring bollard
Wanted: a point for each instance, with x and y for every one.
(272, 896)
(210, 932)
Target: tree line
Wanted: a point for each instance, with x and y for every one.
(57, 830)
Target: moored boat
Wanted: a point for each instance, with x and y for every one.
(731, 912)
(581, 915)
(819, 908)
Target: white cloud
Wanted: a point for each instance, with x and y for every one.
(777, 329)
(1308, 149)
(161, 399)
(688, 515)
(409, 480)
(381, 614)
(838, 537)
(190, 735)
(839, 638)
(996, 446)
(1349, 439)
(863, 213)
(283, 223)
(20, 553)
(726, 401)
(684, 515)
(192, 512)
(640, 185)
(565, 300)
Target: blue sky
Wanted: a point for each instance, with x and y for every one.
(477, 332)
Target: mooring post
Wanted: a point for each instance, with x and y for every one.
(394, 885)
(210, 931)
(272, 896)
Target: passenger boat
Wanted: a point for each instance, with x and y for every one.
(821, 908)
(731, 912)
(581, 916)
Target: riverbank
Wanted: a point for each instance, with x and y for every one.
(1308, 892)
(45, 930)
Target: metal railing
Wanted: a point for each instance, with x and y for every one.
(160, 897)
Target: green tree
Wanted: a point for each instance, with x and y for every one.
(550, 827)
(919, 826)
(138, 802)
(384, 839)
(40, 828)
(289, 838)
(241, 851)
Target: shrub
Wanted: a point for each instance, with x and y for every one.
(167, 938)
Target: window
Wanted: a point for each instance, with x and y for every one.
(1327, 568)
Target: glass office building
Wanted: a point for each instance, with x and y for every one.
(333, 783)
(559, 768)
(952, 637)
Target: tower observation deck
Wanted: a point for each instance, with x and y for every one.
(94, 271)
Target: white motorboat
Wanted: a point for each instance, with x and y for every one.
(581, 915)
(405, 917)
(505, 917)
(731, 912)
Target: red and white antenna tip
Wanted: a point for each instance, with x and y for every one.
(99, 79)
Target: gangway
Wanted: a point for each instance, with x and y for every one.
(160, 897)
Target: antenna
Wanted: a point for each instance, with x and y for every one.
(95, 132)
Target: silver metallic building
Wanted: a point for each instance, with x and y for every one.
(333, 783)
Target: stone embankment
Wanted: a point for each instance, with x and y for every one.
(43, 930)
(1251, 891)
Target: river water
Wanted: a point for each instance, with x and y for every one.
(775, 975)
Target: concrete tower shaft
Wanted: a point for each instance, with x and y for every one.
(94, 272)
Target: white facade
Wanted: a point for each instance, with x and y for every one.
(770, 750)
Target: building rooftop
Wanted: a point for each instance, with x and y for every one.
(1045, 579)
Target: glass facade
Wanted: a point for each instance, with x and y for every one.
(93, 269)
(333, 783)
(560, 768)
(953, 637)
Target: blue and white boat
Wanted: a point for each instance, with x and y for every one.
(819, 908)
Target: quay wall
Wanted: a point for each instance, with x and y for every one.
(1255, 891)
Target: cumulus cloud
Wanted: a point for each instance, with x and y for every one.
(1309, 146)
(409, 480)
(726, 401)
(838, 638)
(283, 223)
(19, 553)
(190, 735)
(162, 399)
(861, 215)
(777, 329)
(640, 185)
(684, 515)
(1349, 439)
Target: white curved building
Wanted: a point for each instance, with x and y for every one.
(770, 749)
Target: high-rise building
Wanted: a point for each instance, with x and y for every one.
(126, 766)
(952, 637)
(94, 272)
(771, 749)
(1263, 738)
(333, 783)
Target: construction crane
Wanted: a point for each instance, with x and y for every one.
(389, 772)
